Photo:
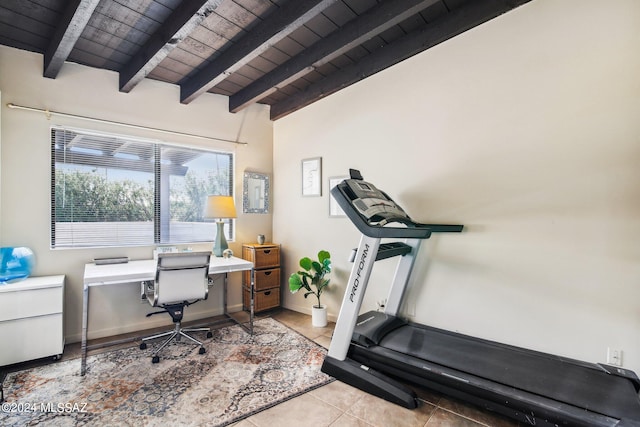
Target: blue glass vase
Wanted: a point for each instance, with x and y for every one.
(15, 264)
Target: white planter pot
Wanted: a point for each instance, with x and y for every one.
(319, 316)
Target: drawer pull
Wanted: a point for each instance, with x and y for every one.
(267, 251)
(267, 273)
(266, 294)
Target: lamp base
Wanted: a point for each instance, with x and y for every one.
(220, 244)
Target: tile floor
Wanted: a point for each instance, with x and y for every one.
(338, 404)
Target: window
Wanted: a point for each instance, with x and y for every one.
(113, 190)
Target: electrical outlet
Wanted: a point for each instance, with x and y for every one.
(614, 356)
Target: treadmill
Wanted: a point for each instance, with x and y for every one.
(379, 352)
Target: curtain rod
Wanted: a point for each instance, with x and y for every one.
(49, 113)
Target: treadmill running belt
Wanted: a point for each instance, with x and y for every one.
(572, 382)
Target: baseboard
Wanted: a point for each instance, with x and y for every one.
(306, 309)
(155, 322)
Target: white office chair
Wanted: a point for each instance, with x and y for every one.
(181, 280)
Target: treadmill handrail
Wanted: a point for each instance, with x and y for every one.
(413, 230)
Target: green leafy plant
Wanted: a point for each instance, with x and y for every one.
(313, 274)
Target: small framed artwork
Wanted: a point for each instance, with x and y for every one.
(312, 176)
(335, 210)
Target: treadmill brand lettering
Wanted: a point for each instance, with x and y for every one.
(356, 281)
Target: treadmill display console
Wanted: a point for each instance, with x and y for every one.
(375, 214)
(373, 204)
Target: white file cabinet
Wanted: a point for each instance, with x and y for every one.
(31, 319)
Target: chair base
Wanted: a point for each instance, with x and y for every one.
(176, 334)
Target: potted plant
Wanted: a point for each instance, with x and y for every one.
(312, 279)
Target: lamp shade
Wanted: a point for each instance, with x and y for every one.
(220, 207)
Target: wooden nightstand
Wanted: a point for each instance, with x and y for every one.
(266, 261)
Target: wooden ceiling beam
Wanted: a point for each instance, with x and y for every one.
(73, 21)
(467, 16)
(277, 26)
(374, 21)
(184, 19)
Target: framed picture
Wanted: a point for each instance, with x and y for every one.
(334, 209)
(312, 176)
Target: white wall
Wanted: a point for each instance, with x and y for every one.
(26, 173)
(526, 130)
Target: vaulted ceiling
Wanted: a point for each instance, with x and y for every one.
(284, 53)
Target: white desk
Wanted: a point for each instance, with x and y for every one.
(139, 271)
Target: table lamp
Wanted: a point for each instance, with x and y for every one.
(220, 207)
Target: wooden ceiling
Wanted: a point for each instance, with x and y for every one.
(284, 53)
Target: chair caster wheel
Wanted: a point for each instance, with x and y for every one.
(143, 346)
(209, 334)
(202, 350)
(155, 359)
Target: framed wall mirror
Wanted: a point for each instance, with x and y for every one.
(255, 193)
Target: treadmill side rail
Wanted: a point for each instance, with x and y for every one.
(371, 381)
(622, 372)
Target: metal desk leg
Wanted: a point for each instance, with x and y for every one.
(224, 294)
(228, 315)
(252, 295)
(85, 322)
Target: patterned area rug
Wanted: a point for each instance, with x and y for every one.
(238, 376)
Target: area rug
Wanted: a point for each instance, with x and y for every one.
(238, 376)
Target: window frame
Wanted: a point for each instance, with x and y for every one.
(157, 147)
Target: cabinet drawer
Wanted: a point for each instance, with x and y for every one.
(31, 338)
(264, 300)
(31, 302)
(266, 279)
(262, 256)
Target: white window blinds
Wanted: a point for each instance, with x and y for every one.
(109, 190)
